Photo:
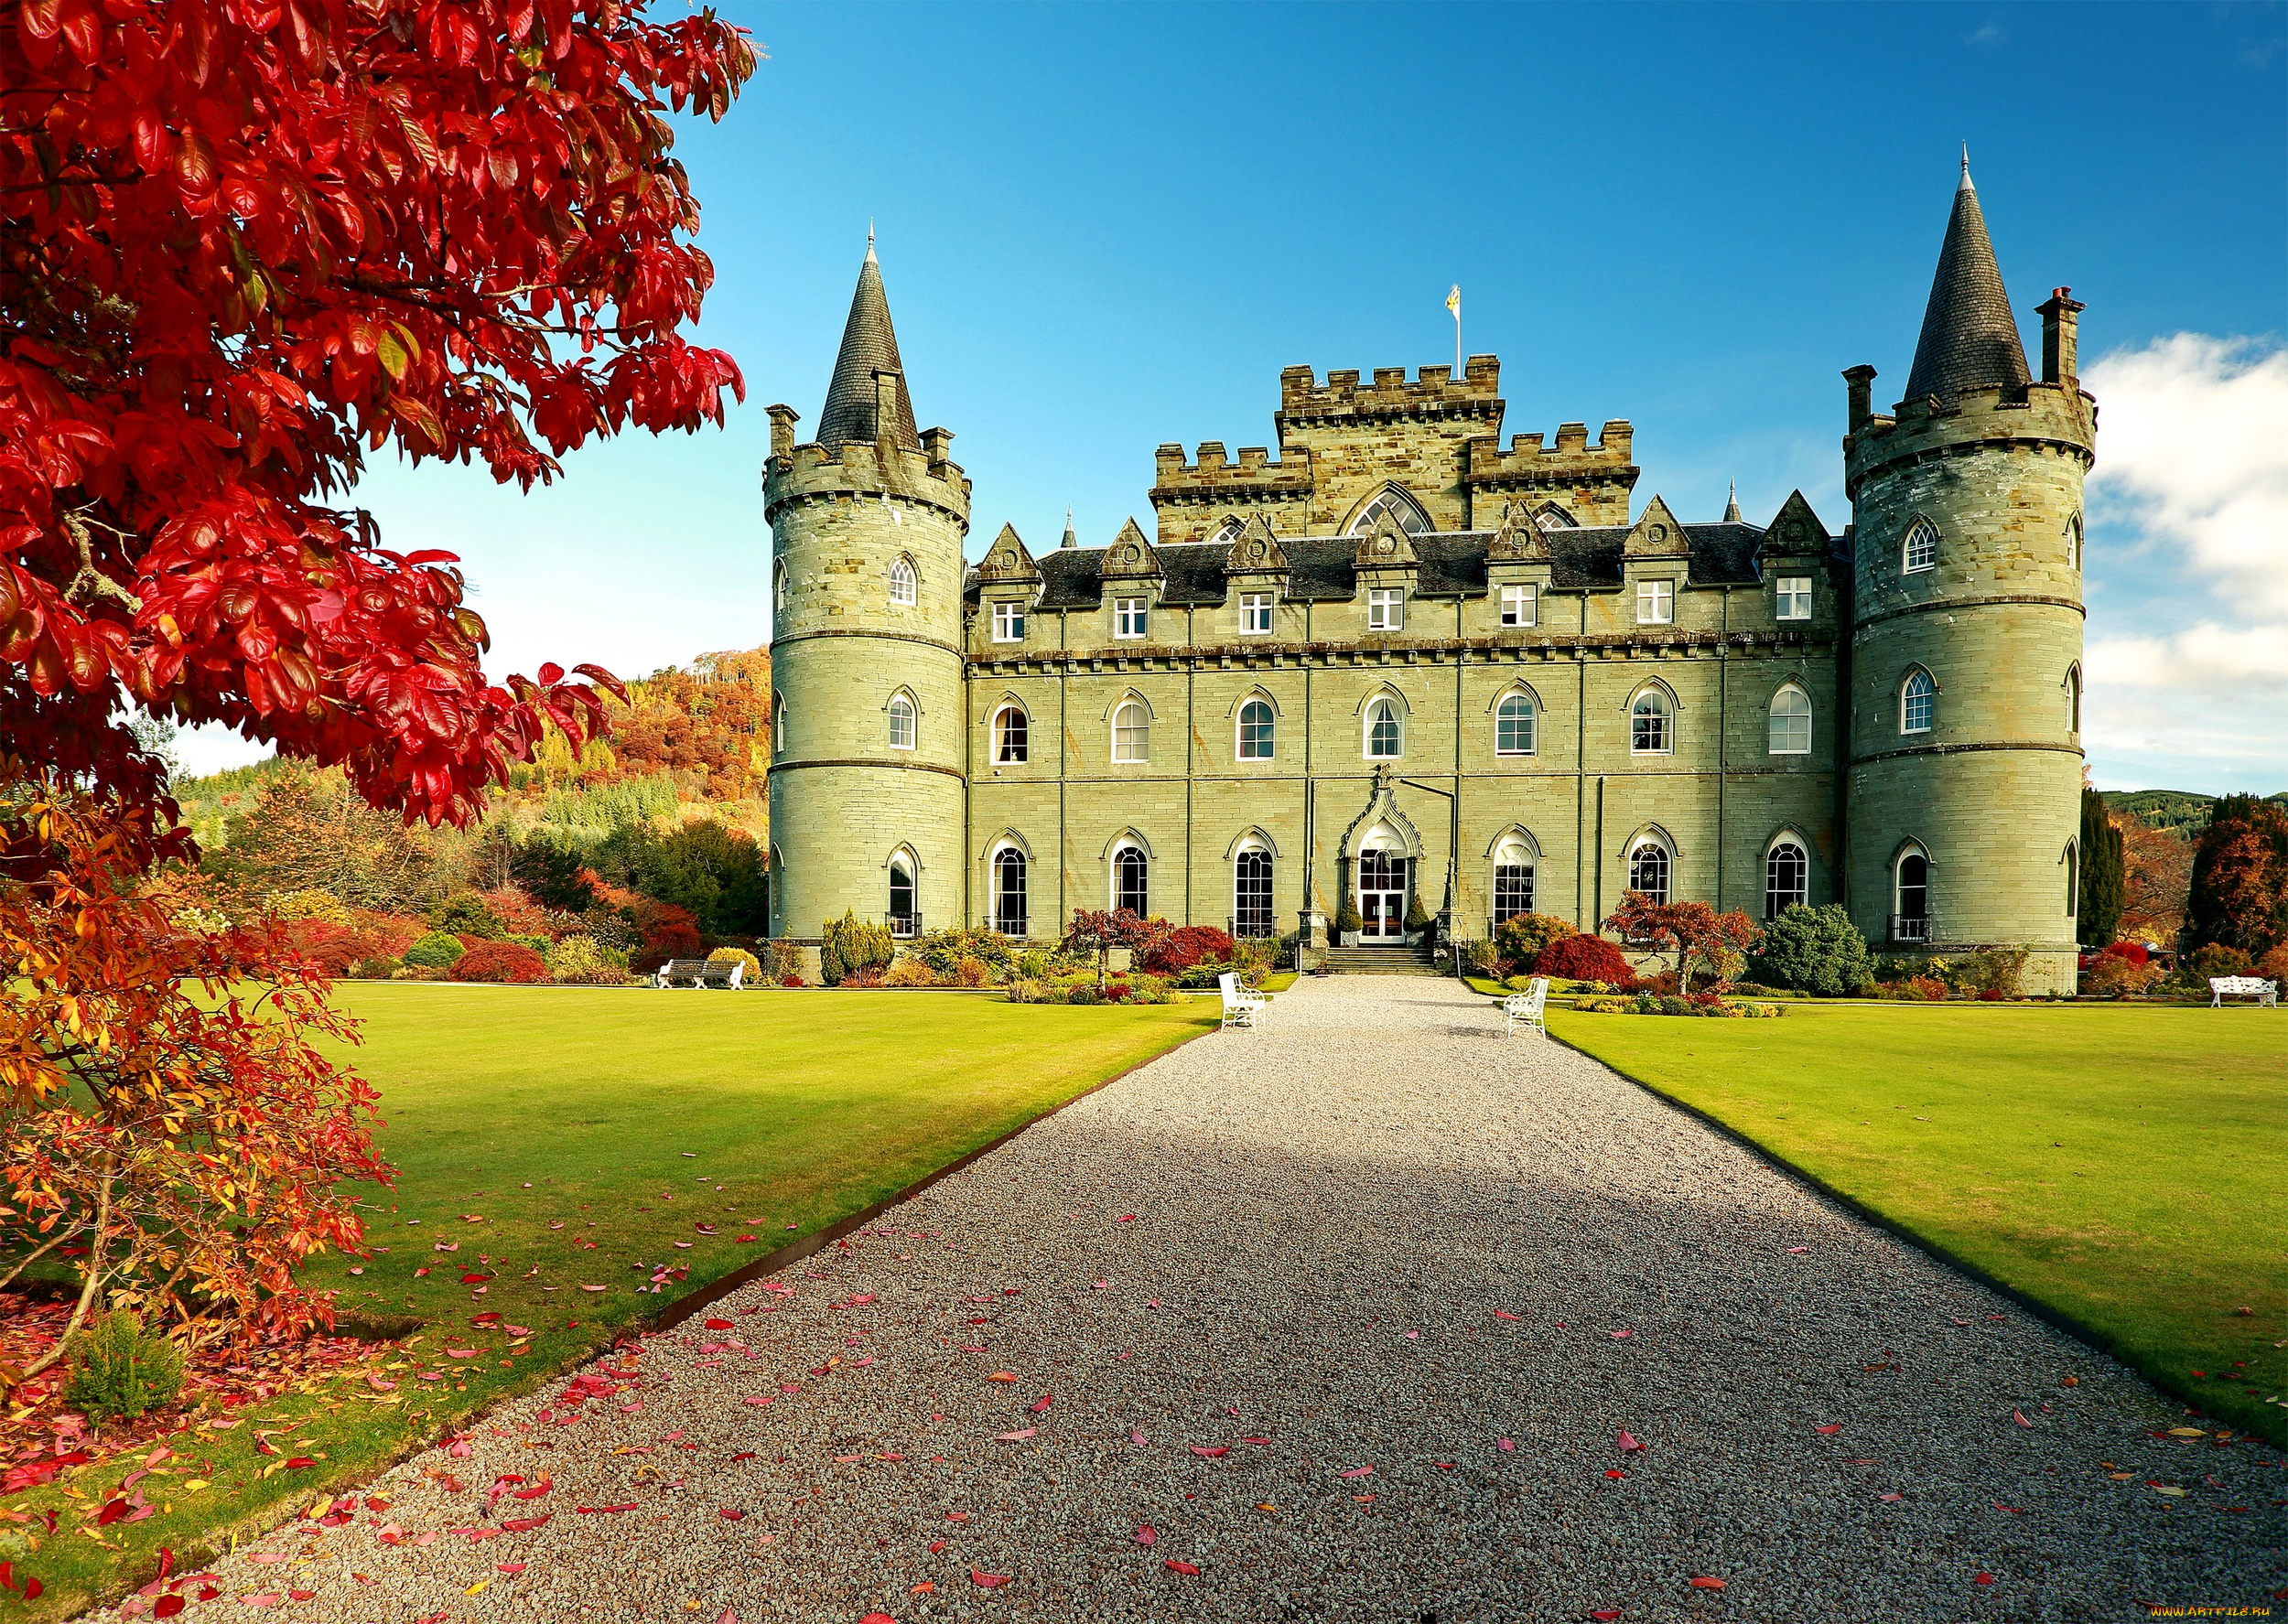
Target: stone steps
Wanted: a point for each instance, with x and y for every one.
(1379, 960)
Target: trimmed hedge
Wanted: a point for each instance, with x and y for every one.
(436, 951)
(510, 961)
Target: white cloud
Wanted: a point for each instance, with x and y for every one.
(2188, 533)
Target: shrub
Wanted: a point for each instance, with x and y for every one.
(1084, 993)
(791, 980)
(2115, 975)
(1581, 957)
(781, 960)
(1187, 946)
(740, 955)
(850, 945)
(2216, 959)
(1032, 965)
(1812, 950)
(1521, 938)
(942, 951)
(309, 905)
(1346, 918)
(2135, 952)
(436, 951)
(910, 972)
(581, 961)
(1416, 916)
(379, 968)
(2273, 966)
(119, 1370)
(972, 972)
(1481, 957)
(465, 914)
(1996, 973)
(501, 961)
(667, 929)
(1027, 989)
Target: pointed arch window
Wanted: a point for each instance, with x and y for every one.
(2073, 541)
(1225, 534)
(1012, 736)
(1918, 702)
(1514, 730)
(1131, 880)
(1403, 511)
(1552, 517)
(903, 731)
(1920, 550)
(1131, 731)
(2073, 699)
(2072, 861)
(1787, 876)
(1791, 722)
(905, 585)
(1385, 733)
(1259, 731)
(1008, 891)
(1652, 725)
(778, 587)
(778, 724)
(1652, 867)
(1251, 892)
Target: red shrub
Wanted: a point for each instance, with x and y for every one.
(667, 929)
(1582, 958)
(332, 948)
(386, 935)
(2135, 952)
(1194, 944)
(500, 961)
(519, 914)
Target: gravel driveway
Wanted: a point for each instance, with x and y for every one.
(1349, 1316)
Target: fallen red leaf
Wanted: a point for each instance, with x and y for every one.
(1627, 1442)
(470, 1277)
(983, 1581)
(1708, 1584)
(1606, 1614)
(718, 1324)
(33, 1588)
(1215, 1452)
(2019, 1416)
(1614, 1471)
(1040, 1403)
(1983, 1579)
(728, 1515)
(526, 1524)
(935, 1546)
(1831, 1426)
(510, 1568)
(1503, 1314)
(1146, 1536)
(1174, 1565)
(167, 1607)
(299, 1462)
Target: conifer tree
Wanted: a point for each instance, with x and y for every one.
(2101, 891)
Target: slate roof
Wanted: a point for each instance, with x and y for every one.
(1452, 565)
(869, 344)
(1968, 335)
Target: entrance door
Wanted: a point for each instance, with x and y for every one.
(1382, 895)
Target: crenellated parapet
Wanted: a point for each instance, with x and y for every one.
(1590, 483)
(1192, 500)
(811, 473)
(2058, 416)
(1433, 391)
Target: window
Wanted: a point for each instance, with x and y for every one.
(1793, 597)
(1251, 894)
(1655, 602)
(1649, 732)
(1921, 551)
(1008, 891)
(2073, 878)
(2073, 699)
(1258, 731)
(1400, 506)
(1129, 618)
(1553, 518)
(2073, 541)
(1383, 733)
(1131, 731)
(1650, 869)
(1010, 730)
(1517, 604)
(905, 915)
(1787, 877)
(1255, 612)
(1513, 881)
(778, 724)
(1130, 870)
(1791, 722)
(1917, 700)
(1008, 622)
(1385, 608)
(1513, 727)
(1911, 921)
(901, 729)
(778, 588)
(902, 583)
(1225, 534)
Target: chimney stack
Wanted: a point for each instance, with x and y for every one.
(1861, 380)
(2061, 338)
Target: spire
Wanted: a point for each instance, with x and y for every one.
(1732, 503)
(869, 346)
(1070, 539)
(1962, 186)
(1970, 338)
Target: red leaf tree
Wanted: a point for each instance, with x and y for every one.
(1700, 937)
(1096, 930)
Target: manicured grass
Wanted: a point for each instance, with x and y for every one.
(2122, 1164)
(635, 1120)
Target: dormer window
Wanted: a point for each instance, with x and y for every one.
(1655, 602)
(1130, 617)
(1792, 597)
(1517, 604)
(1008, 622)
(1385, 608)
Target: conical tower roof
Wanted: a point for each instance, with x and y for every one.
(869, 345)
(1970, 338)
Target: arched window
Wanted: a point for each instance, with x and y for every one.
(905, 913)
(2072, 861)
(1552, 517)
(1011, 728)
(1650, 868)
(1513, 880)
(778, 587)
(1650, 729)
(1514, 733)
(1402, 508)
(2073, 541)
(1910, 919)
(1251, 893)
(1791, 722)
(903, 582)
(1918, 702)
(1920, 550)
(1131, 874)
(2073, 698)
(778, 724)
(1386, 734)
(1131, 731)
(1225, 534)
(1787, 876)
(1008, 891)
(1258, 731)
(901, 728)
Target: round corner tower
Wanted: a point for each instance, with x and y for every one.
(1966, 763)
(867, 524)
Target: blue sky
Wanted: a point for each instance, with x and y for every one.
(1102, 228)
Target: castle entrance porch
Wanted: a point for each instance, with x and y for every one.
(1382, 894)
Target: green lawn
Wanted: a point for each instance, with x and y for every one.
(2127, 1165)
(634, 1119)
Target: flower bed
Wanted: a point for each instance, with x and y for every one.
(1698, 1004)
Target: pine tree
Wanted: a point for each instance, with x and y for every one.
(2101, 891)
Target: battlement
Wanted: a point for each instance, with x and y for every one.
(1528, 457)
(1214, 474)
(2060, 416)
(1434, 392)
(810, 471)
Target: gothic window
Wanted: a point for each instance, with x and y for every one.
(1650, 868)
(2073, 699)
(1787, 876)
(2072, 861)
(1517, 604)
(1513, 880)
(778, 587)
(1514, 725)
(1011, 728)
(1910, 917)
(1651, 732)
(1920, 551)
(1385, 608)
(903, 582)
(1008, 622)
(1251, 893)
(905, 914)
(1008, 891)
(1255, 612)
(2073, 541)
(1918, 702)
(901, 728)
(1791, 722)
(778, 724)
(1552, 518)
(1792, 597)
(1258, 731)
(1655, 602)
(1226, 532)
(1402, 508)
(1131, 731)
(1130, 875)
(1130, 617)
(1386, 735)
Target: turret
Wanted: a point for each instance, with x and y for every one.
(867, 523)
(1964, 794)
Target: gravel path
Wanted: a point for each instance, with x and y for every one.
(1351, 1314)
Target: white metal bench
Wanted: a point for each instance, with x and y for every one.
(701, 973)
(2220, 987)
(1523, 1009)
(1240, 1005)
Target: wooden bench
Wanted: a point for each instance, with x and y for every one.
(2220, 987)
(728, 974)
(1525, 1009)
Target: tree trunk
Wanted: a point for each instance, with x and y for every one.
(96, 1249)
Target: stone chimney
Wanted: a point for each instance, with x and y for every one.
(2061, 337)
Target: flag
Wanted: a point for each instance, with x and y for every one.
(1453, 301)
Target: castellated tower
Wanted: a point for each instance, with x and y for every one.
(1965, 767)
(867, 522)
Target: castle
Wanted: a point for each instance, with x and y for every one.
(1402, 669)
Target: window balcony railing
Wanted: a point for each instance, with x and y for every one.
(1910, 927)
(1009, 925)
(905, 925)
(1255, 928)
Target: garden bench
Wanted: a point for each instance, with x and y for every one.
(2220, 987)
(1240, 1005)
(1523, 1009)
(701, 973)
